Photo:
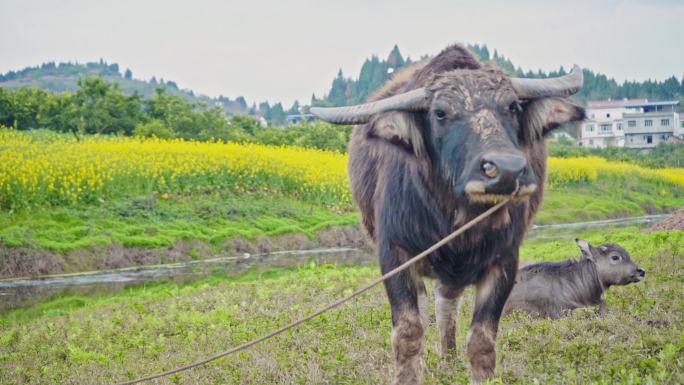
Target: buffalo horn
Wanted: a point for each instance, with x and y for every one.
(362, 113)
(564, 86)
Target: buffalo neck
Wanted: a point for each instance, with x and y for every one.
(584, 284)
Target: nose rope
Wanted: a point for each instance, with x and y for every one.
(333, 305)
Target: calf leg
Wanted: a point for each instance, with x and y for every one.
(492, 292)
(447, 300)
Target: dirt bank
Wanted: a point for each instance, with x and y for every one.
(26, 261)
(673, 222)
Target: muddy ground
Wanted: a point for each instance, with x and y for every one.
(673, 222)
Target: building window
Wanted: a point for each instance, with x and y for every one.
(648, 123)
(607, 115)
(649, 139)
(664, 122)
(631, 123)
(591, 142)
(663, 137)
(606, 127)
(590, 127)
(619, 126)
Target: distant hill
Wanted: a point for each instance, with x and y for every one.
(63, 77)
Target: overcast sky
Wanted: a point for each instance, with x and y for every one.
(288, 49)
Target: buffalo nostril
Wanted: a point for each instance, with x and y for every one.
(490, 169)
(642, 272)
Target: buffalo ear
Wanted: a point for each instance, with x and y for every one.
(586, 248)
(543, 115)
(399, 128)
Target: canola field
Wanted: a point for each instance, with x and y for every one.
(564, 171)
(55, 169)
(58, 169)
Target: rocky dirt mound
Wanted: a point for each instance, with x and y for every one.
(673, 222)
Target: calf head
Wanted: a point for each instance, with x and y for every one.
(613, 264)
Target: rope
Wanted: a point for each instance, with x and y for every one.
(333, 305)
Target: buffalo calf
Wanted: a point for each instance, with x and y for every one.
(548, 289)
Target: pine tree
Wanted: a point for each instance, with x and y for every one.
(395, 60)
(337, 92)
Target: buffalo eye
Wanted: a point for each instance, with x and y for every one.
(440, 114)
(615, 258)
(515, 108)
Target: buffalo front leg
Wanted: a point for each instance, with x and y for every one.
(447, 300)
(492, 291)
(407, 325)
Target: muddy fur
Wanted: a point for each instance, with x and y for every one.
(407, 342)
(482, 351)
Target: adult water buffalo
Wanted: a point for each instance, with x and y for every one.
(437, 145)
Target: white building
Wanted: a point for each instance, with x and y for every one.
(633, 123)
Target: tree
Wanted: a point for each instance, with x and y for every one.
(277, 115)
(153, 128)
(264, 110)
(294, 110)
(101, 108)
(337, 91)
(240, 100)
(245, 123)
(128, 75)
(395, 60)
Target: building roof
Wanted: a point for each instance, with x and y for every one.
(653, 104)
(597, 104)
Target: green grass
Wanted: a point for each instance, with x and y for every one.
(151, 221)
(112, 337)
(606, 199)
(214, 217)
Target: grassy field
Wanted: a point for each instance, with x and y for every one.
(59, 194)
(158, 220)
(107, 338)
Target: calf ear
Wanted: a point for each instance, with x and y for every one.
(400, 129)
(586, 248)
(543, 115)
